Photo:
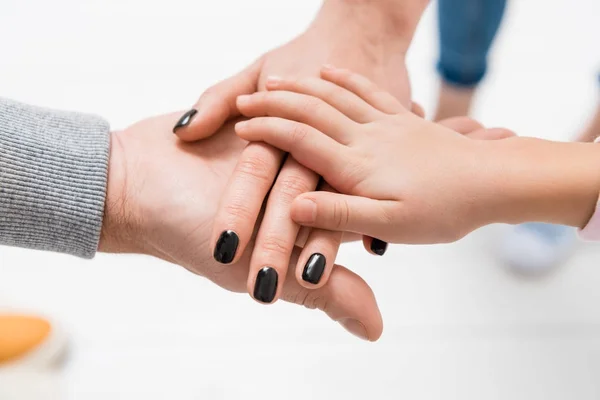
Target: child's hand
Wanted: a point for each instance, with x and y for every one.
(404, 179)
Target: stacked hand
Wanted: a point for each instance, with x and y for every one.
(404, 179)
(162, 197)
(247, 216)
(165, 201)
(361, 37)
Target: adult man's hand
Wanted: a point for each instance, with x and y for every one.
(369, 37)
(162, 197)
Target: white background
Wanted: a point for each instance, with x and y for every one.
(458, 326)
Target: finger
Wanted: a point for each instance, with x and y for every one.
(242, 200)
(491, 134)
(302, 236)
(301, 108)
(216, 105)
(347, 102)
(346, 298)
(363, 88)
(338, 212)
(374, 246)
(319, 254)
(277, 233)
(463, 125)
(308, 146)
(417, 109)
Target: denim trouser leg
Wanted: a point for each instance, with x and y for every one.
(467, 29)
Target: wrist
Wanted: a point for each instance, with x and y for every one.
(117, 235)
(383, 23)
(538, 180)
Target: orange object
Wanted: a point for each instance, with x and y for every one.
(21, 335)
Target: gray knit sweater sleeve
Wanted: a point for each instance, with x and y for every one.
(53, 171)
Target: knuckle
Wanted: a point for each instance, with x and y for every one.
(311, 299)
(298, 132)
(314, 300)
(350, 176)
(340, 214)
(210, 92)
(388, 214)
(255, 167)
(238, 211)
(273, 244)
(311, 105)
(289, 187)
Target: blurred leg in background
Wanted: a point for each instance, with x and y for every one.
(467, 29)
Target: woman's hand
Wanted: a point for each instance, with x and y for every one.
(162, 198)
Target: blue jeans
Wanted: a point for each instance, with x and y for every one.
(467, 29)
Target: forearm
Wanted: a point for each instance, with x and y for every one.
(53, 169)
(382, 21)
(539, 180)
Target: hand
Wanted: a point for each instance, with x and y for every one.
(161, 201)
(366, 36)
(404, 179)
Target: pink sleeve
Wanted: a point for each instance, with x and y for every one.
(591, 232)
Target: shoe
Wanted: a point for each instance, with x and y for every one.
(537, 248)
(31, 342)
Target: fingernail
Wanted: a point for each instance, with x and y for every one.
(328, 66)
(266, 285)
(226, 247)
(185, 119)
(305, 211)
(314, 268)
(354, 327)
(240, 125)
(243, 99)
(378, 246)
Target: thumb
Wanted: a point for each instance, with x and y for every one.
(340, 212)
(346, 298)
(217, 104)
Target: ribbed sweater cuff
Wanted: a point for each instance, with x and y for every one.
(53, 172)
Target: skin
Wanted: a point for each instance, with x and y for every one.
(407, 180)
(367, 36)
(161, 200)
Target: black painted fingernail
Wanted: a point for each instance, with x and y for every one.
(314, 268)
(378, 247)
(266, 285)
(185, 119)
(226, 247)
